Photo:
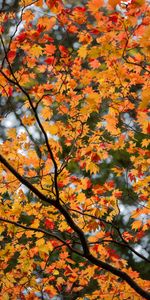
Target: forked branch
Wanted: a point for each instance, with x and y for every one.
(86, 252)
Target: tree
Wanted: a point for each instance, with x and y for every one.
(74, 150)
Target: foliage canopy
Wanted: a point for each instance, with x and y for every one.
(74, 83)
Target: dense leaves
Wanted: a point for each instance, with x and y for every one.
(74, 149)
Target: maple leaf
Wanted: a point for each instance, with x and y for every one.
(53, 129)
(113, 3)
(145, 142)
(95, 64)
(74, 84)
(49, 224)
(63, 50)
(35, 51)
(11, 55)
(136, 224)
(46, 22)
(148, 128)
(21, 37)
(55, 5)
(50, 60)
(82, 51)
(50, 49)
(27, 16)
(95, 5)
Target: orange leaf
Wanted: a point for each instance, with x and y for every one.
(50, 49)
(137, 224)
(113, 3)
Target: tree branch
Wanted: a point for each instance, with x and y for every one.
(125, 243)
(15, 82)
(40, 230)
(86, 254)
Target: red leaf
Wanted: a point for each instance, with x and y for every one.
(143, 197)
(11, 55)
(49, 224)
(1, 29)
(60, 184)
(49, 60)
(10, 90)
(48, 38)
(22, 36)
(132, 177)
(80, 8)
(95, 157)
(63, 50)
(95, 248)
(94, 31)
(113, 18)
(113, 253)
(111, 183)
(68, 270)
(40, 28)
(89, 184)
(118, 194)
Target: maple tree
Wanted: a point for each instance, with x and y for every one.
(74, 149)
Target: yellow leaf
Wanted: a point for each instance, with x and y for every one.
(35, 51)
(145, 227)
(63, 226)
(55, 272)
(82, 51)
(117, 170)
(24, 280)
(39, 234)
(53, 129)
(93, 168)
(43, 248)
(94, 53)
(49, 246)
(145, 143)
(99, 212)
(6, 296)
(40, 242)
(35, 224)
(81, 197)
(1, 230)
(145, 98)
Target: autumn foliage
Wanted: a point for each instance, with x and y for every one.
(75, 89)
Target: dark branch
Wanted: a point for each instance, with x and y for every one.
(124, 244)
(86, 254)
(40, 230)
